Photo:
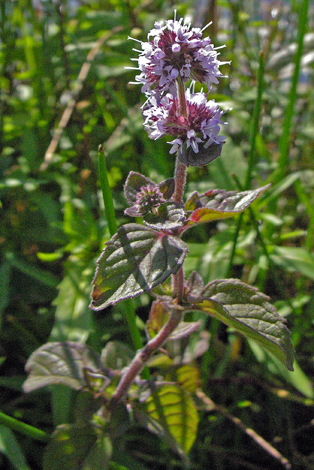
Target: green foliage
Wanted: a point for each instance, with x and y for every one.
(134, 261)
(173, 407)
(52, 230)
(244, 308)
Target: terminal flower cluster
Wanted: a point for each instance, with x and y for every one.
(176, 50)
(174, 54)
(200, 125)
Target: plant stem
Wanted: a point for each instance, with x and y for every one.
(23, 428)
(113, 226)
(144, 354)
(180, 178)
(178, 285)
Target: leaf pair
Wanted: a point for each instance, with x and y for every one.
(139, 258)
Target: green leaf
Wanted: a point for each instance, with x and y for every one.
(294, 259)
(174, 408)
(135, 260)
(189, 377)
(73, 319)
(60, 363)
(244, 308)
(76, 447)
(219, 204)
(168, 216)
(11, 448)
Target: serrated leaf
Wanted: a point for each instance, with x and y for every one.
(135, 181)
(135, 260)
(75, 447)
(60, 363)
(168, 216)
(174, 409)
(220, 204)
(133, 184)
(244, 308)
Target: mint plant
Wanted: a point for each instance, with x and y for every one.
(149, 257)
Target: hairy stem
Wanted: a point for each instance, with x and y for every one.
(180, 178)
(144, 354)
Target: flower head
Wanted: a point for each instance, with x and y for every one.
(173, 50)
(200, 125)
(149, 197)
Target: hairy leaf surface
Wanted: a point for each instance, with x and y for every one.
(60, 363)
(168, 216)
(246, 309)
(135, 260)
(219, 204)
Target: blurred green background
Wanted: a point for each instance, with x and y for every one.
(64, 90)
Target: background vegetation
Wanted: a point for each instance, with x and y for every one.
(64, 90)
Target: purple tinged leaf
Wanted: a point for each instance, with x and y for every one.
(194, 286)
(193, 202)
(135, 260)
(61, 363)
(247, 310)
(220, 204)
(184, 329)
(133, 184)
(202, 157)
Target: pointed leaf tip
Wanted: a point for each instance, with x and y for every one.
(247, 310)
